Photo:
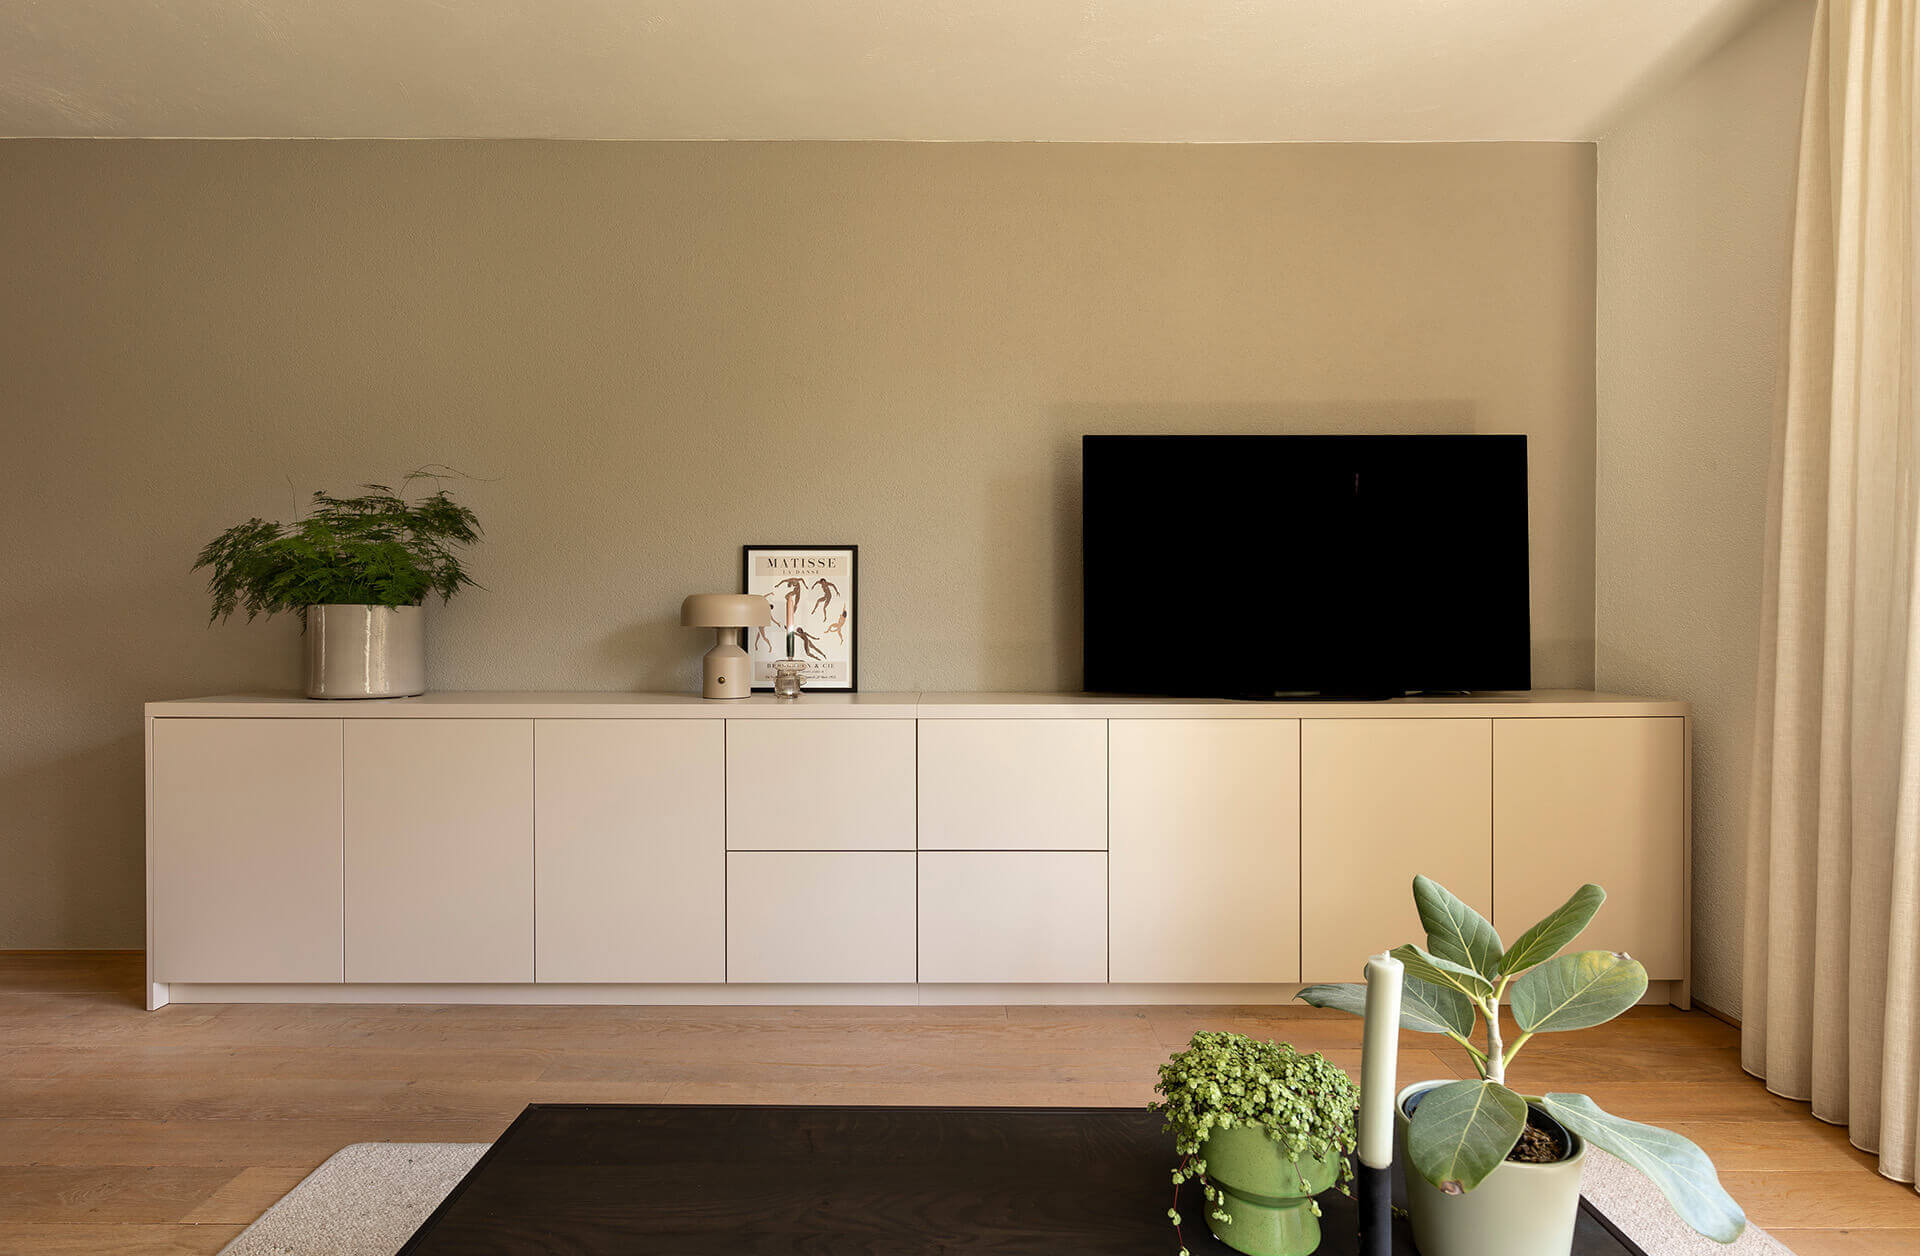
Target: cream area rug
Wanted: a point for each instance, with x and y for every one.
(368, 1199)
(1625, 1197)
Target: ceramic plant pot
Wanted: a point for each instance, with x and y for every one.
(1266, 1197)
(1517, 1210)
(366, 651)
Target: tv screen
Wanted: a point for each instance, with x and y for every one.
(1265, 566)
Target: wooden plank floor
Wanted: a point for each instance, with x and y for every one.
(129, 1132)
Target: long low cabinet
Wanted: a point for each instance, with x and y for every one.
(884, 847)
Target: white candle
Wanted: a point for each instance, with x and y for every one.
(1378, 1056)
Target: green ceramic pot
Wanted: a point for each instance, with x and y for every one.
(1266, 1196)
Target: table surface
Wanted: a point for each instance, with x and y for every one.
(690, 1180)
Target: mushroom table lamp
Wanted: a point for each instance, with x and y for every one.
(726, 672)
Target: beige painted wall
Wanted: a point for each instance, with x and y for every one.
(653, 353)
(1695, 214)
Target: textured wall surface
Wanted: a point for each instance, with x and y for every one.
(1695, 213)
(651, 354)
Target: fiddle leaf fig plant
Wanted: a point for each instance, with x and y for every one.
(380, 548)
(1461, 1131)
(1304, 1103)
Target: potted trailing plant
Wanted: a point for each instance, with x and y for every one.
(355, 570)
(1264, 1129)
(1495, 1172)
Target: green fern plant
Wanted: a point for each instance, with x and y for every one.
(380, 548)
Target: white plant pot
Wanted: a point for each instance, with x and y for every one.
(1517, 1210)
(366, 651)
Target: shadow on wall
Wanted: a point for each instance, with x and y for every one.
(75, 818)
(1293, 418)
(668, 655)
(81, 661)
(1027, 587)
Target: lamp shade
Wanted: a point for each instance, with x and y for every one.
(725, 610)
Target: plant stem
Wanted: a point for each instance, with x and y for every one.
(1514, 1050)
(1495, 1068)
(1179, 1237)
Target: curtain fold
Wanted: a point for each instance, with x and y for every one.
(1831, 997)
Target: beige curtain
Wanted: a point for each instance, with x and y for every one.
(1832, 978)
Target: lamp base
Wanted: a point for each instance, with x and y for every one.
(726, 671)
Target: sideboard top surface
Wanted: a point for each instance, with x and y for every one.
(906, 706)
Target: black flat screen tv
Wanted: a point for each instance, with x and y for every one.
(1338, 566)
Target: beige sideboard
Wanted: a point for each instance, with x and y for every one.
(594, 847)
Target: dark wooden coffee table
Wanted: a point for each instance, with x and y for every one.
(663, 1180)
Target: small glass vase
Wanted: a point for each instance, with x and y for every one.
(788, 675)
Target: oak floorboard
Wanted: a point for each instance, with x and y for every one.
(67, 1193)
(133, 1132)
(244, 1196)
(1572, 1067)
(1850, 1242)
(215, 1098)
(37, 1239)
(1815, 1199)
(316, 1063)
(241, 1144)
(1774, 1146)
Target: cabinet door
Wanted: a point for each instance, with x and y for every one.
(820, 784)
(439, 850)
(994, 916)
(1381, 801)
(820, 916)
(629, 842)
(1204, 856)
(246, 850)
(1013, 784)
(1601, 800)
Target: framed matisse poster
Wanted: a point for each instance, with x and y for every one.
(810, 589)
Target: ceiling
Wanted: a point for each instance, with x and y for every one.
(1153, 70)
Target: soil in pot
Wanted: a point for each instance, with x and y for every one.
(1543, 1141)
(1538, 1145)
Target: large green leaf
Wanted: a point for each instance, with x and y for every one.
(1456, 931)
(1424, 1007)
(1681, 1170)
(1442, 972)
(1577, 991)
(1442, 1006)
(1462, 1131)
(1562, 925)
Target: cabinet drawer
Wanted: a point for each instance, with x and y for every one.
(630, 864)
(1013, 785)
(993, 916)
(1205, 856)
(439, 846)
(246, 850)
(820, 784)
(1601, 800)
(1383, 801)
(820, 916)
